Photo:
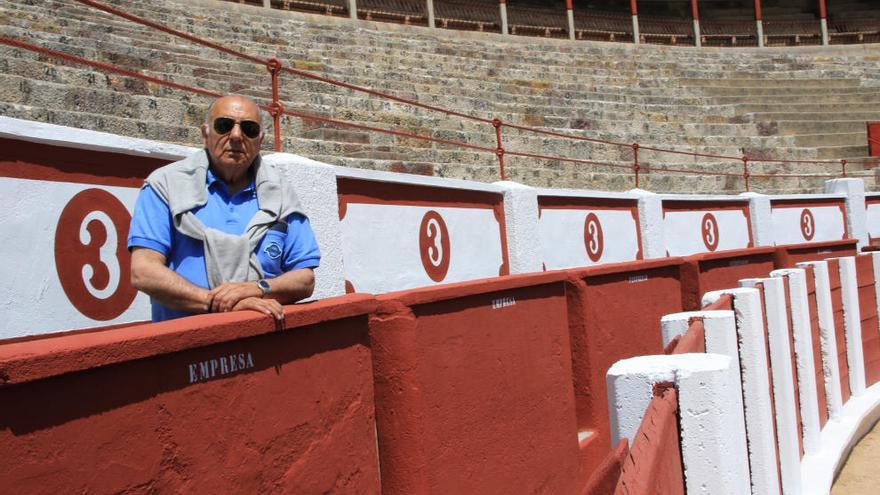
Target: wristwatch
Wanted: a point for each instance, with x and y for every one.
(264, 286)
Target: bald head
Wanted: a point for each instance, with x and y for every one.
(229, 136)
(242, 100)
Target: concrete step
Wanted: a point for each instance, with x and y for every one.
(799, 127)
(806, 107)
(772, 83)
(812, 116)
(839, 152)
(831, 139)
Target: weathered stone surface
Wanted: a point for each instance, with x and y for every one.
(804, 104)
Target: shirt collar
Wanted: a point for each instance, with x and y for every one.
(212, 179)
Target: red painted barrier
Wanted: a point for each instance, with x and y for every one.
(873, 138)
(606, 328)
(221, 403)
(473, 388)
(869, 324)
(839, 329)
(789, 255)
(693, 340)
(822, 394)
(706, 272)
(654, 461)
(605, 477)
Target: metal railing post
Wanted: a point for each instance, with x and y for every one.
(499, 150)
(273, 65)
(843, 167)
(636, 166)
(746, 174)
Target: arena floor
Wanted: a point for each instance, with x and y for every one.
(859, 475)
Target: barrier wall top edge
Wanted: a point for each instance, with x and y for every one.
(819, 245)
(704, 197)
(412, 179)
(626, 267)
(732, 253)
(54, 355)
(782, 198)
(425, 295)
(587, 193)
(70, 137)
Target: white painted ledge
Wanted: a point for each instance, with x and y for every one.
(71, 137)
(839, 436)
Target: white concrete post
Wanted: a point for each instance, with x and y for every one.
(824, 25)
(759, 29)
(720, 329)
(776, 316)
(713, 440)
(852, 322)
(316, 188)
(803, 352)
(651, 224)
(570, 15)
(431, 21)
(827, 337)
(856, 213)
(762, 218)
(521, 223)
(502, 7)
(267, 4)
(698, 42)
(352, 9)
(755, 385)
(635, 29)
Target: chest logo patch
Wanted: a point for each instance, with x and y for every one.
(273, 250)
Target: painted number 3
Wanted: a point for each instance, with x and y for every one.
(594, 240)
(709, 226)
(808, 224)
(434, 245)
(91, 255)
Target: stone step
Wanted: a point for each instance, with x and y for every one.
(812, 116)
(838, 152)
(872, 98)
(799, 127)
(772, 83)
(831, 139)
(805, 107)
(804, 91)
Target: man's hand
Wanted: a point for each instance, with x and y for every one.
(225, 297)
(270, 307)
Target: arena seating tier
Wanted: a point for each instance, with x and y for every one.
(802, 104)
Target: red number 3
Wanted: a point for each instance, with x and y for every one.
(91, 256)
(434, 246)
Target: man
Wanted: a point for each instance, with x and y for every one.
(220, 230)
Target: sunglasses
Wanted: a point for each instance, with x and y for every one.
(224, 125)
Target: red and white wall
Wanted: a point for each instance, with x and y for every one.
(510, 381)
(71, 193)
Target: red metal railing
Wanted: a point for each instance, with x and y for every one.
(275, 67)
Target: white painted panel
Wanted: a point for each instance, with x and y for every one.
(799, 224)
(873, 223)
(381, 246)
(684, 231)
(565, 244)
(33, 299)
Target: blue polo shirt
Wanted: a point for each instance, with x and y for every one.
(278, 251)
